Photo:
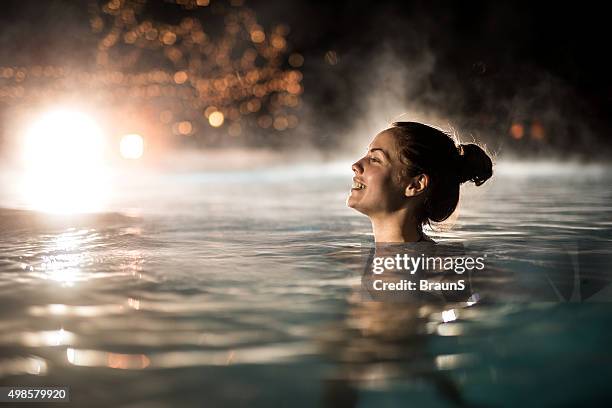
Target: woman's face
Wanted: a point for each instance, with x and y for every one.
(376, 185)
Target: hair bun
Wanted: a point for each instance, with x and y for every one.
(474, 164)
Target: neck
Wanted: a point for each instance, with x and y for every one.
(399, 226)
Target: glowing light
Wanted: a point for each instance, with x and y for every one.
(63, 158)
(449, 315)
(452, 361)
(180, 77)
(185, 127)
(96, 358)
(295, 89)
(131, 146)
(451, 329)
(517, 131)
(216, 119)
(127, 361)
(258, 36)
(63, 136)
(168, 38)
(47, 338)
(278, 42)
(23, 365)
(142, 61)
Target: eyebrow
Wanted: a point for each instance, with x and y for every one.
(374, 149)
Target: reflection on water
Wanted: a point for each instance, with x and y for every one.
(247, 287)
(94, 358)
(381, 344)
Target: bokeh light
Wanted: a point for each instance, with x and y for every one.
(216, 119)
(517, 131)
(131, 146)
(174, 70)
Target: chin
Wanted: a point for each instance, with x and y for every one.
(358, 202)
(351, 203)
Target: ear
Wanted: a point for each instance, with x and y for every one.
(417, 185)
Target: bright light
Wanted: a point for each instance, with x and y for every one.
(63, 157)
(131, 146)
(216, 119)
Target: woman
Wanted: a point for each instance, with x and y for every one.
(410, 176)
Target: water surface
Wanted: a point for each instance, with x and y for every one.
(242, 289)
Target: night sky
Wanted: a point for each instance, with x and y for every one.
(481, 66)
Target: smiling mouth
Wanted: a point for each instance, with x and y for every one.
(357, 186)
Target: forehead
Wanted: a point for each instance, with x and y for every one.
(384, 140)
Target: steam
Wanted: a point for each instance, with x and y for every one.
(552, 117)
(391, 94)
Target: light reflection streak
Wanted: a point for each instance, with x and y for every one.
(274, 353)
(81, 311)
(378, 376)
(449, 329)
(59, 269)
(134, 303)
(452, 361)
(51, 338)
(23, 365)
(45, 338)
(95, 358)
(68, 259)
(449, 315)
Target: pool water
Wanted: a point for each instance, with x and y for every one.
(242, 288)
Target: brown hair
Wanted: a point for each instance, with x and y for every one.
(424, 149)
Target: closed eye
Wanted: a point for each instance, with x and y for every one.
(374, 159)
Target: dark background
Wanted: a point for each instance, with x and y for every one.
(482, 66)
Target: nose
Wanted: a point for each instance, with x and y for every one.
(357, 167)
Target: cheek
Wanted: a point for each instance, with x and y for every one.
(384, 184)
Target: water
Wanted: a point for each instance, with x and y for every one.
(242, 289)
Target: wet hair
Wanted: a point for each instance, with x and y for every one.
(425, 149)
